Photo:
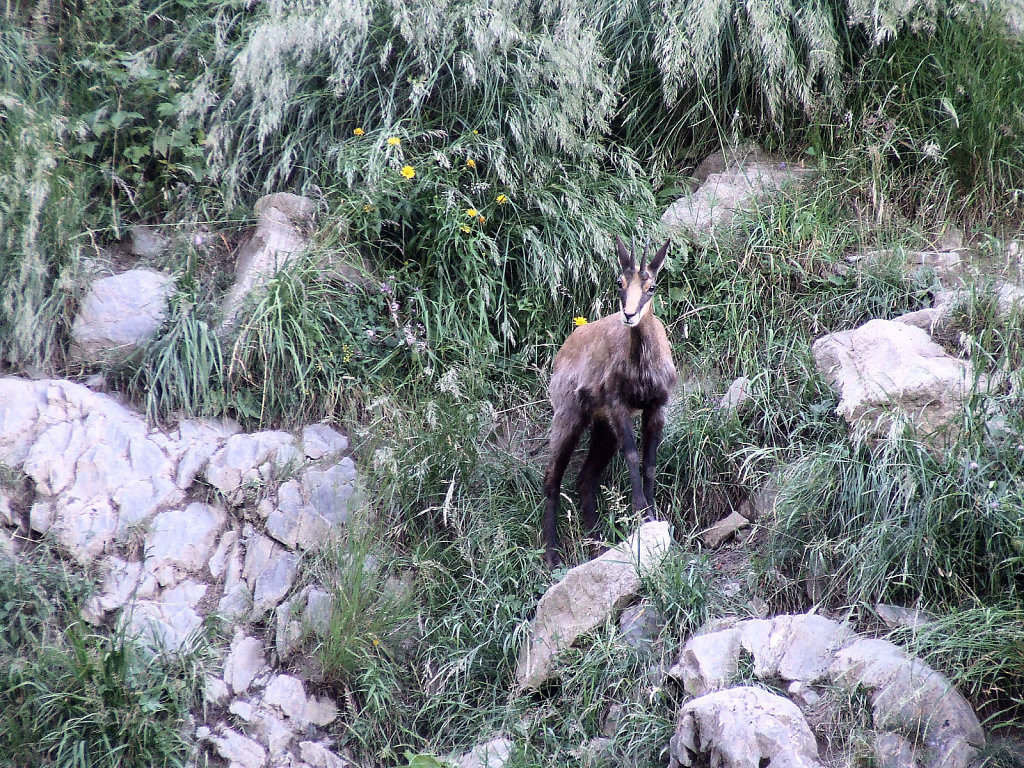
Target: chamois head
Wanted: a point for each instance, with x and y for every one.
(636, 284)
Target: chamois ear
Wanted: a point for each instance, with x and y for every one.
(659, 260)
(626, 260)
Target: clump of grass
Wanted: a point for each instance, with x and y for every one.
(899, 522)
(77, 698)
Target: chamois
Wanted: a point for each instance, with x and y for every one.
(604, 374)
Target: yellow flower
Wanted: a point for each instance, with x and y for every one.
(502, 199)
(475, 131)
(465, 228)
(471, 212)
(408, 171)
(358, 131)
(394, 141)
(578, 321)
(367, 208)
(471, 163)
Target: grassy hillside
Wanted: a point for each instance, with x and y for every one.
(476, 159)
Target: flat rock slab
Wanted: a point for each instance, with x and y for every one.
(743, 727)
(886, 369)
(586, 597)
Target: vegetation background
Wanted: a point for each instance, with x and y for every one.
(475, 157)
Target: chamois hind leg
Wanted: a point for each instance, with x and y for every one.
(565, 433)
(653, 424)
(602, 447)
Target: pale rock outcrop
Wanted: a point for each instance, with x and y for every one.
(119, 313)
(244, 661)
(724, 528)
(283, 223)
(740, 177)
(886, 370)
(320, 440)
(249, 458)
(913, 700)
(587, 596)
(181, 541)
(742, 727)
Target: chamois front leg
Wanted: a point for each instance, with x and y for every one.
(565, 433)
(652, 426)
(622, 422)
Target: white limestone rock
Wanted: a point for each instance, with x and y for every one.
(491, 754)
(181, 541)
(742, 727)
(912, 699)
(586, 597)
(288, 694)
(283, 224)
(244, 661)
(120, 313)
(884, 370)
(320, 441)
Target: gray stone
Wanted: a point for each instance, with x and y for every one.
(893, 751)
(119, 313)
(640, 624)
(800, 647)
(243, 457)
(894, 616)
(270, 571)
(165, 623)
(318, 611)
(288, 694)
(586, 597)
(123, 581)
(318, 756)
(223, 555)
(744, 178)
(183, 540)
(910, 698)
(240, 751)
(724, 528)
(886, 370)
(491, 754)
(321, 440)
(215, 691)
(6, 512)
(737, 395)
(147, 242)
(283, 223)
(245, 660)
(85, 528)
(40, 517)
(742, 727)
(330, 491)
(708, 662)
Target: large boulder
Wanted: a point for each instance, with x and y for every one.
(885, 370)
(586, 597)
(913, 700)
(118, 314)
